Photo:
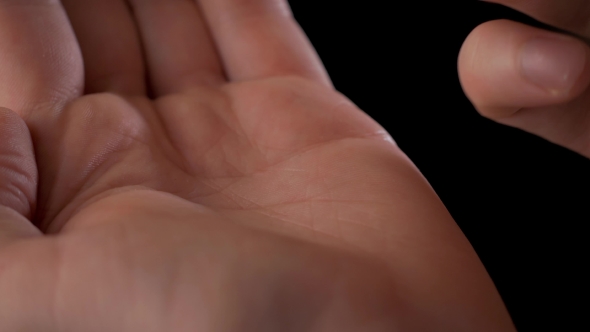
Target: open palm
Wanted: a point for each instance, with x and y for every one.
(194, 156)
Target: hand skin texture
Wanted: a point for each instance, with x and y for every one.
(179, 165)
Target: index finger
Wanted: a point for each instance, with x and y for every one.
(260, 38)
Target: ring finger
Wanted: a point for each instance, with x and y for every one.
(180, 52)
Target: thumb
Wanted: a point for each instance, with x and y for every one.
(18, 178)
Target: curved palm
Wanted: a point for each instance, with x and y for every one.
(284, 149)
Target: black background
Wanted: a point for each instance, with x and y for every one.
(521, 201)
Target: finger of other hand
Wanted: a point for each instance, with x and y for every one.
(528, 78)
(505, 66)
(571, 15)
(260, 38)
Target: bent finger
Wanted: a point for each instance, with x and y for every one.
(505, 66)
(530, 79)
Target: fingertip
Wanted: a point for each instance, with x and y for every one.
(505, 66)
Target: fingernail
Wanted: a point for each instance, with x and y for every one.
(553, 63)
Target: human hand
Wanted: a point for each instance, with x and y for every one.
(197, 172)
(531, 78)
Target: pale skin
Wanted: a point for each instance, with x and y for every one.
(179, 165)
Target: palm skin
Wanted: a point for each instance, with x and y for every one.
(254, 163)
(270, 203)
(249, 150)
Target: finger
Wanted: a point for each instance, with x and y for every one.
(40, 62)
(260, 38)
(179, 50)
(505, 66)
(110, 45)
(18, 178)
(18, 184)
(571, 15)
(528, 78)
